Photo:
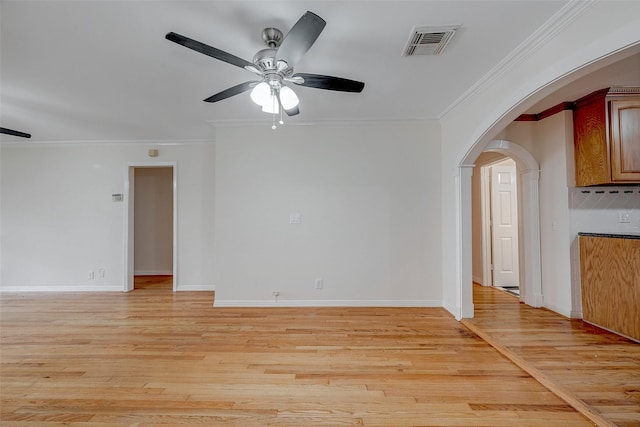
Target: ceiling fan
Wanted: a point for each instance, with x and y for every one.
(274, 67)
(15, 132)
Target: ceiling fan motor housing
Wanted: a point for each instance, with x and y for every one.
(265, 59)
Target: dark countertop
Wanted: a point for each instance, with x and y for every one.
(613, 235)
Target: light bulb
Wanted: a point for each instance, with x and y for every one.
(261, 94)
(288, 98)
(271, 106)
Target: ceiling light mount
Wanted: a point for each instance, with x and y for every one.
(272, 37)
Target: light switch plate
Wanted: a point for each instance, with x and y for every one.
(295, 218)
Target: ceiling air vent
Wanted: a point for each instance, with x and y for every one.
(429, 40)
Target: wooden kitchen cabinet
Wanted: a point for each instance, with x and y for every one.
(625, 139)
(607, 137)
(610, 282)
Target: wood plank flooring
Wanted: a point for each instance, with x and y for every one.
(156, 357)
(598, 369)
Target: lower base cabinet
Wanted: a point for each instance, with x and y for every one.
(610, 281)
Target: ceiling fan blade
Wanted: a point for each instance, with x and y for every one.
(15, 133)
(208, 50)
(232, 91)
(328, 82)
(300, 38)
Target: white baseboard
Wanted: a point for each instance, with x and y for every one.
(153, 273)
(454, 310)
(190, 288)
(93, 288)
(63, 288)
(559, 310)
(576, 314)
(327, 303)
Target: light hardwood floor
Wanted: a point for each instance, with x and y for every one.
(596, 370)
(157, 357)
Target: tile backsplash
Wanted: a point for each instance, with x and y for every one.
(599, 209)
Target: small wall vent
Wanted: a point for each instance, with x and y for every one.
(429, 40)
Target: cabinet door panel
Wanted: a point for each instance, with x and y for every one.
(610, 282)
(625, 140)
(590, 143)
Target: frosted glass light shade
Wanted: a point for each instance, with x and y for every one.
(271, 106)
(261, 94)
(288, 98)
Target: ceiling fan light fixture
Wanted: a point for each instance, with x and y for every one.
(274, 66)
(271, 106)
(261, 94)
(288, 98)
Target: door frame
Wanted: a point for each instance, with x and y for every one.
(487, 219)
(485, 206)
(129, 197)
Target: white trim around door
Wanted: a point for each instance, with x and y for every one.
(128, 220)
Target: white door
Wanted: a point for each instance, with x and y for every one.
(504, 214)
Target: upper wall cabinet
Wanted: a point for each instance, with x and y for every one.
(607, 137)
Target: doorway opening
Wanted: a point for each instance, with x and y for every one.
(151, 226)
(528, 223)
(499, 207)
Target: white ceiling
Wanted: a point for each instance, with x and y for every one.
(102, 70)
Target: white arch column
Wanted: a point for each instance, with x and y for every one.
(530, 258)
(464, 253)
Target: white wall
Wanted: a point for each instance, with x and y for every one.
(153, 218)
(58, 221)
(368, 196)
(548, 141)
(566, 210)
(553, 136)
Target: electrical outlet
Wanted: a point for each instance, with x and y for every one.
(624, 217)
(276, 294)
(319, 283)
(91, 275)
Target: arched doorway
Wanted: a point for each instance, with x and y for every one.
(528, 217)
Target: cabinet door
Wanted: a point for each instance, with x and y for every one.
(592, 163)
(625, 140)
(610, 282)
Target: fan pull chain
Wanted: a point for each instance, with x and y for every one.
(273, 116)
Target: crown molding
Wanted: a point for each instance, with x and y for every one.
(554, 25)
(327, 122)
(105, 143)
